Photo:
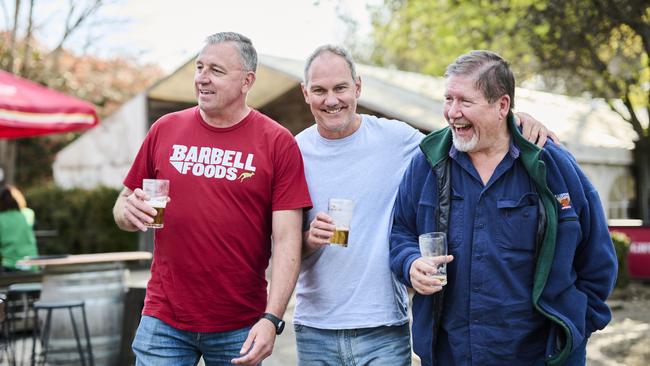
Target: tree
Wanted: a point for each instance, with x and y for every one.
(599, 48)
(106, 83)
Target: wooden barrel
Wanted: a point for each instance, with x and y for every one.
(102, 288)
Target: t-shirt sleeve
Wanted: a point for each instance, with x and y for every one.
(412, 138)
(142, 165)
(289, 184)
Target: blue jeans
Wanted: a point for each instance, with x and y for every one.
(158, 344)
(390, 346)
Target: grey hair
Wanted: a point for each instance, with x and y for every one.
(244, 46)
(337, 50)
(494, 78)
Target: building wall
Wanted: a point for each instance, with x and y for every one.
(103, 155)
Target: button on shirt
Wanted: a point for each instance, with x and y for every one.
(489, 317)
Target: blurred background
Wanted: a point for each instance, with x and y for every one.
(582, 68)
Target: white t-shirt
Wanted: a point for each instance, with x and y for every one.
(353, 287)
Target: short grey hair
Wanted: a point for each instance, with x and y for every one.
(494, 78)
(243, 44)
(337, 50)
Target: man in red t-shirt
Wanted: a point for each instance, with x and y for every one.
(236, 181)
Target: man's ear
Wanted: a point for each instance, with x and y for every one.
(503, 106)
(249, 80)
(304, 92)
(357, 87)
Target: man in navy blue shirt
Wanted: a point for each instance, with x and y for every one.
(533, 262)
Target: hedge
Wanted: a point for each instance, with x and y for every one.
(622, 247)
(82, 220)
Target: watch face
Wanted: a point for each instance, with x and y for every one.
(280, 327)
(277, 322)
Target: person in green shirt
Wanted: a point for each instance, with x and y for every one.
(16, 234)
(22, 205)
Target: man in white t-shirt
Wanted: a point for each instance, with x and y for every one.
(350, 310)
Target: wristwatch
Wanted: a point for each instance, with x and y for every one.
(279, 323)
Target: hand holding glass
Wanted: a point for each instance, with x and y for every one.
(341, 212)
(157, 190)
(434, 245)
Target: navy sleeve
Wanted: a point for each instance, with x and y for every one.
(404, 249)
(595, 263)
(594, 258)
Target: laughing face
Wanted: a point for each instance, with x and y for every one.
(477, 125)
(332, 95)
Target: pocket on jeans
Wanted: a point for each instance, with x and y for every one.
(297, 328)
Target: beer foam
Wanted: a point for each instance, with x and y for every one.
(160, 202)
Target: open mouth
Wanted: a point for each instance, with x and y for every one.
(333, 110)
(460, 127)
(205, 92)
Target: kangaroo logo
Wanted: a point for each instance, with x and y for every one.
(245, 175)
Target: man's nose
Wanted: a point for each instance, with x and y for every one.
(331, 99)
(199, 76)
(454, 110)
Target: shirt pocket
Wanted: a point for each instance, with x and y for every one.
(517, 222)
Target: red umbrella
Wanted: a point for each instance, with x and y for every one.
(29, 109)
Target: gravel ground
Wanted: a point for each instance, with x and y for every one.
(626, 340)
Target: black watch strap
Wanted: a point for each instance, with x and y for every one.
(279, 323)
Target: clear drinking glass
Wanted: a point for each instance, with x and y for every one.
(157, 190)
(434, 245)
(340, 210)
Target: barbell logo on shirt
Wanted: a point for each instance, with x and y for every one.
(212, 162)
(564, 200)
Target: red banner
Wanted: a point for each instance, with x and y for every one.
(638, 259)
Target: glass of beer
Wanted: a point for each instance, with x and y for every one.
(340, 210)
(157, 190)
(434, 245)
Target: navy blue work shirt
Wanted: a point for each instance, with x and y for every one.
(489, 316)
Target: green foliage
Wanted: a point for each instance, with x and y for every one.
(593, 48)
(598, 47)
(35, 156)
(83, 220)
(622, 247)
(425, 36)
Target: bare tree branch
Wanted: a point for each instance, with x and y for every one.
(634, 120)
(73, 23)
(12, 40)
(27, 40)
(5, 12)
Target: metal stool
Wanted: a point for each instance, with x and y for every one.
(44, 337)
(6, 352)
(20, 299)
(20, 302)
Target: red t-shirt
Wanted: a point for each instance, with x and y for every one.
(209, 260)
